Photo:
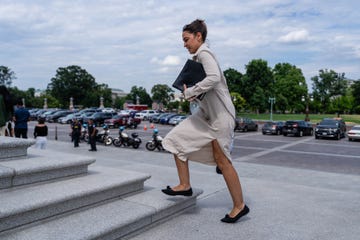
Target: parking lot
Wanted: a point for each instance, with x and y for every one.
(296, 187)
(328, 155)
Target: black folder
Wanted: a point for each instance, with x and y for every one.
(192, 73)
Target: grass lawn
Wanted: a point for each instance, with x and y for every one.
(314, 118)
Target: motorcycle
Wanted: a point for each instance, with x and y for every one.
(155, 143)
(103, 136)
(125, 140)
(130, 123)
(84, 134)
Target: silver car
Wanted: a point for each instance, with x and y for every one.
(176, 120)
(354, 133)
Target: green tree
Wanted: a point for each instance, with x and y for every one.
(233, 79)
(356, 93)
(341, 105)
(289, 86)
(328, 85)
(6, 76)
(139, 92)
(257, 85)
(105, 92)
(119, 102)
(51, 101)
(238, 101)
(162, 93)
(29, 96)
(75, 82)
(173, 106)
(281, 103)
(185, 106)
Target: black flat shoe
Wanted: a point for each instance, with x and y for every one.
(171, 192)
(228, 219)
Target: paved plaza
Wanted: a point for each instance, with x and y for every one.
(296, 188)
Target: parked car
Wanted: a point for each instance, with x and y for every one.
(55, 116)
(120, 120)
(298, 128)
(47, 113)
(156, 119)
(354, 133)
(151, 118)
(245, 124)
(273, 128)
(166, 119)
(33, 112)
(330, 128)
(89, 110)
(145, 114)
(82, 117)
(177, 119)
(34, 115)
(100, 117)
(108, 109)
(67, 119)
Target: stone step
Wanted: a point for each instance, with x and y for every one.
(40, 165)
(13, 148)
(111, 220)
(30, 203)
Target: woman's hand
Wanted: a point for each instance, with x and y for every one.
(191, 98)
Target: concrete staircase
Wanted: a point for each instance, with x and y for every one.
(56, 197)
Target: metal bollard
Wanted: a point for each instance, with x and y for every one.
(56, 138)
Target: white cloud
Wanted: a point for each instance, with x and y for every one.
(171, 60)
(126, 43)
(296, 36)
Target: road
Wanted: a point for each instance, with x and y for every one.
(327, 155)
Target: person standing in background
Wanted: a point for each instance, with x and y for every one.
(10, 125)
(22, 116)
(40, 133)
(92, 135)
(76, 131)
(6, 109)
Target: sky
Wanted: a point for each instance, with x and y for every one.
(126, 43)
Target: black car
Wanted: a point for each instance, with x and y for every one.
(298, 128)
(55, 116)
(273, 128)
(156, 119)
(330, 128)
(100, 117)
(245, 124)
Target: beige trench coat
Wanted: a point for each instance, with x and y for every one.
(215, 119)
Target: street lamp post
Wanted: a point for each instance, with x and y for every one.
(71, 106)
(45, 103)
(101, 102)
(271, 101)
(306, 100)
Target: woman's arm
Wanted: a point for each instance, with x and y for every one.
(213, 76)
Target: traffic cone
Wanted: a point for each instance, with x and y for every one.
(145, 127)
(151, 125)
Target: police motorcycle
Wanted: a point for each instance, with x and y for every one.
(104, 136)
(156, 142)
(130, 123)
(84, 134)
(125, 140)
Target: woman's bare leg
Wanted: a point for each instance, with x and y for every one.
(183, 173)
(231, 178)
